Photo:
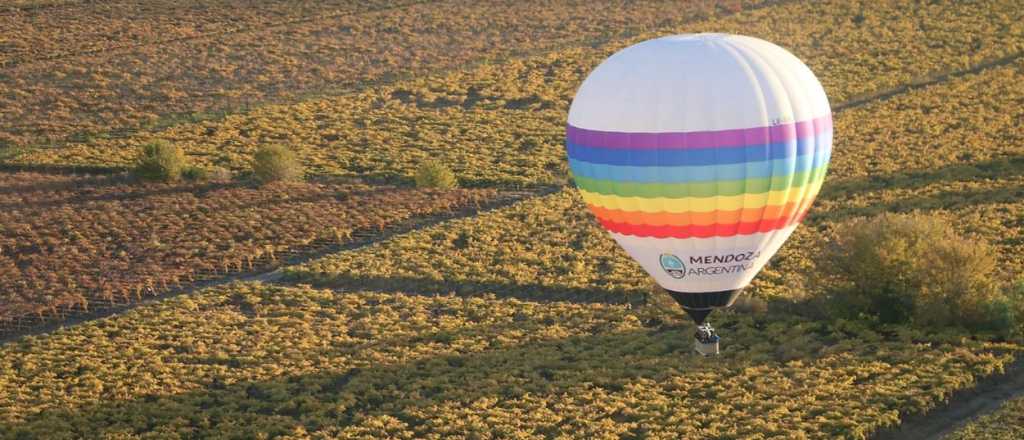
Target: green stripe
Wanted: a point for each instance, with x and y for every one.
(701, 189)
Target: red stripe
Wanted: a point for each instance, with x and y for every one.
(701, 231)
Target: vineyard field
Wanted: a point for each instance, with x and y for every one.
(69, 242)
(953, 150)
(1007, 423)
(51, 31)
(549, 246)
(86, 95)
(432, 272)
(29, 5)
(300, 362)
(503, 123)
(968, 120)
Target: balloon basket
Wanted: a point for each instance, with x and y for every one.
(706, 340)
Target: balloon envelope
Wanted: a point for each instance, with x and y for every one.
(700, 154)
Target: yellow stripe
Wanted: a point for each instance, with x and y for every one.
(700, 204)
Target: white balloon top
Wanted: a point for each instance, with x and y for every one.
(698, 82)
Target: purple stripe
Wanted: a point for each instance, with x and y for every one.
(740, 137)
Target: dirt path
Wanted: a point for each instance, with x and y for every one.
(963, 407)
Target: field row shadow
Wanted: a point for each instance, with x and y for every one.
(468, 288)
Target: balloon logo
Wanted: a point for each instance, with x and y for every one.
(700, 154)
(673, 266)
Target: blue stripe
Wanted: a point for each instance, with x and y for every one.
(699, 156)
(682, 174)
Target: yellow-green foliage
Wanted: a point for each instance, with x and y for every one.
(119, 66)
(850, 59)
(254, 332)
(275, 163)
(160, 161)
(550, 246)
(251, 360)
(954, 150)
(248, 360)
(434, 174)
(1007, 423)
(504, 123)
(934, 130)
(903, 267)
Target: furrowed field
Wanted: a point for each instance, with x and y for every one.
(355, 304)
(1004, 424)
(222, 59)
(249, 359)
(70, 242)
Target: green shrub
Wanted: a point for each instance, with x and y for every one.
(912, 268)
(434, 174)
(160, 161)
(1008, 312)
(193, 173)
(275, 163)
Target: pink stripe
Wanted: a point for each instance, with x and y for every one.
(741, 137)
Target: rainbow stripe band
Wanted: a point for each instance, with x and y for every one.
(704, 173)
(699, 204)
(742, 137)
(788, 150)
(702, 189)
(701, 184)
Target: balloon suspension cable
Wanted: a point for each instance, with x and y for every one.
(706, 340)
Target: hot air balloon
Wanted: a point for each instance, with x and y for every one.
(700, 154)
